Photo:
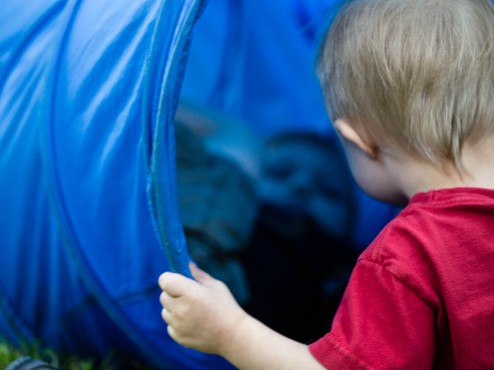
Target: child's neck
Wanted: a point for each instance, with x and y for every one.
(418, 176)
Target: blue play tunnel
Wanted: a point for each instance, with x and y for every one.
(88, 204)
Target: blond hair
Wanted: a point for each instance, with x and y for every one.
(415, 74)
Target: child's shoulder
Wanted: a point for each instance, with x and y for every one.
(432, 218)
(434, 235)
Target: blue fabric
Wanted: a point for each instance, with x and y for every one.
(255, 60)
(88, 198)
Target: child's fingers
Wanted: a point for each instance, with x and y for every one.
(198, 274)
(171, 332)
(175, 285)
(166, 315)
(166, 301)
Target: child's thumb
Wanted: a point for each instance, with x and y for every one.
(198, 274)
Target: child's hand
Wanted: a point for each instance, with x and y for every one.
(200, 314)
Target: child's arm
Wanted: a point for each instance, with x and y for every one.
(203, 315)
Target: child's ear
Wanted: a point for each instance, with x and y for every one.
(347, 132)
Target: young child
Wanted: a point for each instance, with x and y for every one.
(410, 88)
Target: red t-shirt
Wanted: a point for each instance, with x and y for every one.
(422, 295)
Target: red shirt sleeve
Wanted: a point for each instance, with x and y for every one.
(381, 324)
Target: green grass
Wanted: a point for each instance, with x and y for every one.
(9, 353)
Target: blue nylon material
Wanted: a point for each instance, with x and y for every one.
(88, 204)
